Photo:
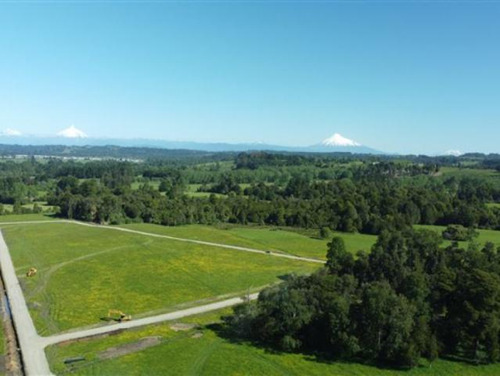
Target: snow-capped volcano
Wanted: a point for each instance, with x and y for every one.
(339, 140)
(11, 132)
(454, 153)
(72, 132)
(340, 144)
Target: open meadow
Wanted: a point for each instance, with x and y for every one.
(195, 346)
(266, 238)
(24, 218)
(484, 236)
(84, 271)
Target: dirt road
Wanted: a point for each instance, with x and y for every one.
(185, 240)
(219, 245)
(32, 345)
(47, 341)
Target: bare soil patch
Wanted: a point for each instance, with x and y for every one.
(181, 327)
(129, 348)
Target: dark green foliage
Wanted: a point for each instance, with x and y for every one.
(408, 299)
(348, 193)
(459, 233)
(338, 260)
(325, 233)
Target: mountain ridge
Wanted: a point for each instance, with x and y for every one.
(74, 137)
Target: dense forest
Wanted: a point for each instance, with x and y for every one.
(407, 299)
(344, 193)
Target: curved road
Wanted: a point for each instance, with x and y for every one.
(33, 346)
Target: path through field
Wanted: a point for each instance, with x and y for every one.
(233, 247)
(185, 240)
(32, 345)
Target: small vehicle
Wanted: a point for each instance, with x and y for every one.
(118, 315)
(31, 272)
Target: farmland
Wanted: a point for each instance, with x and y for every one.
(90, 270)
(269, 238)
(484, 235)
(205, 350)
(283, 206)
(24, 218)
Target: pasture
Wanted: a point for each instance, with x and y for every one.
(205, 350)
(484, 235)
(470, 172)
(44, 207)
(25, 218)
(84, 271)
(266, 238)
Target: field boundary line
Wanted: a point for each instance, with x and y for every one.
(185, 240)
(201, 242)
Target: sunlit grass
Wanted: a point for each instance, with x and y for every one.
(83, 272)
(212, 354)
(265, 238)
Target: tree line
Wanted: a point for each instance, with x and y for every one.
(407, 299)
(367, 205)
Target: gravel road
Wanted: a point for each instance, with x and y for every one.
(33, 355)
(219, 245)
(32, 345)
(47, 341)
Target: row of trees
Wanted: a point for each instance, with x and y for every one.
(367, 195)
(409, 298)
(349, 205)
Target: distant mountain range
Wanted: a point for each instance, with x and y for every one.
(75, 137)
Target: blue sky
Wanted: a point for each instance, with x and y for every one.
(399, 76)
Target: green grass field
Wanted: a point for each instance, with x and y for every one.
(469, 172)
(25, 217)
(84, 271)
(493, 205)
(42, 204)
(261, 238)
(179, 353)
(484, 235)
(192, 191)
(152, 183)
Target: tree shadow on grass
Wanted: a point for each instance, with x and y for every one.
(108, 319)
(285, 277)
(464, 360)
(224, 331)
